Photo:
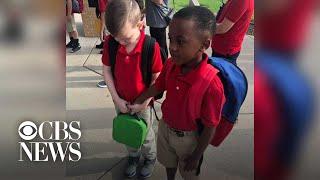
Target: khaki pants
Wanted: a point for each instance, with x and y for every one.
(148, 149)
(172, 149)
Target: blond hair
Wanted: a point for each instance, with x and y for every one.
(120, 12)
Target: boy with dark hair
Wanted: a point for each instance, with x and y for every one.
(124, 78)
(181, 143)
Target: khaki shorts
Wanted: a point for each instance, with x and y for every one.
(172, 149)
(71, 26)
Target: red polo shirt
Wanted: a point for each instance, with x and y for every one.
(128, 77)
(239, 12)
(286, 29)
(176, 107)
(267, 128)
(103, 5)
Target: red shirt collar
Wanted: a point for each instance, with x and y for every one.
(194, 74)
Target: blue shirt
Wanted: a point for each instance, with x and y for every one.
(155, 14)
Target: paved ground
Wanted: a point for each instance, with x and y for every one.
(103, 158)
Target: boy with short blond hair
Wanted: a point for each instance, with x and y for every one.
(124, 76)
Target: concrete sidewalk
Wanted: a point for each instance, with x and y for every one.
(102, 158)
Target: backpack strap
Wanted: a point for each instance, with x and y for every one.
(146, 64)
(113, 49)
(147, 59)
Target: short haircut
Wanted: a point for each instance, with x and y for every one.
(204, 19)
(119, 12)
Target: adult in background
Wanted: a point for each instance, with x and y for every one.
(100, 12)
(156, 11)
(233, 21)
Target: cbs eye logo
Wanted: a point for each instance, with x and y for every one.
(27, 130)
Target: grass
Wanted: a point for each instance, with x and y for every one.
(213, 5)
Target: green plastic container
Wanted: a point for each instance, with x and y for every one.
(129, 130)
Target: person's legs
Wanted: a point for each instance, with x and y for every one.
(160, 35)
(70, 43)
(148, 149)
(184, 146)
(133, 159)
(165, 153)
(74, 33)
(70, 30)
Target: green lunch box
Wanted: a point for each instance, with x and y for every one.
(129, 130)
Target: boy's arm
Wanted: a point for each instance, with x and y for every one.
(144, 99)
(103, 25)
(204, 140)
(119, 102)
(157, 78)
(235, 12)
(224, 26)
(154, 77)
(69, 10)
(149, 93)
(211, 110)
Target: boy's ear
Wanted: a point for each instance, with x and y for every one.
(140, 25)
(206, 44)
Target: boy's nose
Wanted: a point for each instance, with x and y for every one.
(173, 47)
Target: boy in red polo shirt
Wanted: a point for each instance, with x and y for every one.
(232, 24)
(125, 84)
(179, 144)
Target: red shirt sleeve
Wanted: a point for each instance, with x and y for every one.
(237, 9)
(213, 102)
(103, 5)
(157, 60)
(160, 83)
(105, 54)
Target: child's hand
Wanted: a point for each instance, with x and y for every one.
(69, 18)
(191, 162)
(122, 105)
(139, 100)
(135, 108)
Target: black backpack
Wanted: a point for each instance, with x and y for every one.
(146, 61)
